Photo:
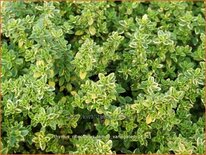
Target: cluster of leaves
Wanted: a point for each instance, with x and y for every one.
(138, 65)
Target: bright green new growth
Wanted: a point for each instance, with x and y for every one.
(104, 77)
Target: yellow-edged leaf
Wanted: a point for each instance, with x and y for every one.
(93, 96)
(21, 43)
(90, 21)
(106, 122)
(73, 93)
(92, 30)
(37, 74)
(51, 73)
(148, 119)
(87, 101)
(79, 32)
(39, 62)
(82, 75)
(51, 83)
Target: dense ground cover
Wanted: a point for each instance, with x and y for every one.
(106, 77)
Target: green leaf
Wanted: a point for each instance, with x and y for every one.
(61, 81)
(120, 89)
(24, 132)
